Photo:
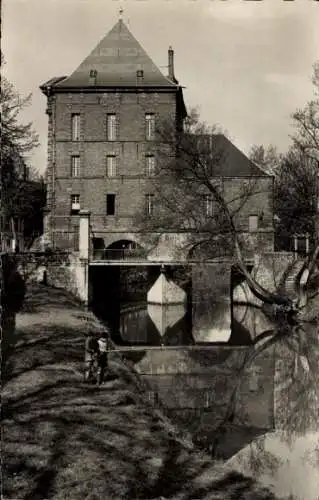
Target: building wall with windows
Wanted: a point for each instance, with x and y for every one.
(102, 148)
(99, 164)
(101, 140)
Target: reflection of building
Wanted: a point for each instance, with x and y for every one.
(102, 152)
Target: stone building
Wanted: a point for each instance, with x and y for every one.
(102, 148)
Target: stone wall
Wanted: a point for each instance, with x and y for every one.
(275, 271)
(65, 271)
(72, 275)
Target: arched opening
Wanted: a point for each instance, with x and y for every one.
(124, 249)
(212, 249)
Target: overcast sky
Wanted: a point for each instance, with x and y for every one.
(246, 64)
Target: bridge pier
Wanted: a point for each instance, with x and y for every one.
(84, 256)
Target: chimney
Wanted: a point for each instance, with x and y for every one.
(171, 64)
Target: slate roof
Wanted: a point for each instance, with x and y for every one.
(116, 58)
(233, 162)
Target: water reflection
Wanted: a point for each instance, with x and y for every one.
(286, 459)
(257, 403)
(212, 321)
(249, 321)
(166, 316)
(202, 323)
(155, 325)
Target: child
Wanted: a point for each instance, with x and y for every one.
(102, 360)
(91, 356)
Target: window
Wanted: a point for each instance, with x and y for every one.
(75, 126)
(253, 223)
(150, 126)
(150, 165)
(110, 204)
(209, 205)
(111, 164)
(149, 204)
(301, 244)
(111, 127)
(75, 166)
(75, 204)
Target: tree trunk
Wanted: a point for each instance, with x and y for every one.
(260, 292)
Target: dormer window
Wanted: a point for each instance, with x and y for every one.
(140, 75)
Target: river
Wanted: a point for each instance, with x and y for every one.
(242, 387)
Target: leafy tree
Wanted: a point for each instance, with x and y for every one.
(21, 199)
(296, 174)
(295, 192)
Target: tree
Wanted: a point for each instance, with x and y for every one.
(20, 199)
(306, 121)
(267, 158)
(295, 192)
(21, 138)
(295, 197)
(197, 201)
(296, 178)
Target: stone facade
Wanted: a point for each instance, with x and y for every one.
(130, 182)
(118, 78)
(130, 102)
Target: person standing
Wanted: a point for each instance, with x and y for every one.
(91, 357)
(103, 351)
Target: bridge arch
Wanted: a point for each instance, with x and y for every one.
(124, 244)
(121, 249)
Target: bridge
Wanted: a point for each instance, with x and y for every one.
(81, 270)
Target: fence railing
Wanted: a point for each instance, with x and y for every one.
(119, 254)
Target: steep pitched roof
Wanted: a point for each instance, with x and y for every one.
(116, 59)
(233, 163)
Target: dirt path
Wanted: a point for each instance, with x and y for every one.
(64, 439)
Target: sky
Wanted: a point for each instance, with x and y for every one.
(246, 64)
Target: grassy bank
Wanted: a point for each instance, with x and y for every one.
(64, 439)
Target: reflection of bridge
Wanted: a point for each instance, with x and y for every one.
(91, 269)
